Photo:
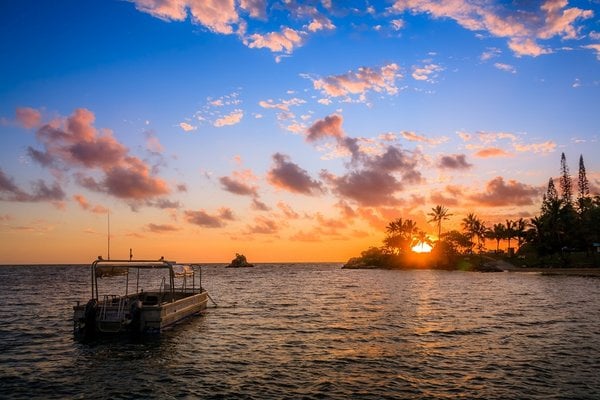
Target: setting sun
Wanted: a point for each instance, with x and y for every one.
(421, 248)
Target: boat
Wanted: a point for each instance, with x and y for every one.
(135, 310)
(239, 262)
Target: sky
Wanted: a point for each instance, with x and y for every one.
(284, 130)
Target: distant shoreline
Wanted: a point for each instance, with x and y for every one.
(575, 271)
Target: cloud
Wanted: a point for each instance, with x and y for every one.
(132, 181)
(28, 117)
(413, 137)
(83, 203)
(506, 67)
(231, 119)
(287, 211)
(511, 193)
(544, 147)
(259, 205)
(397, 24)
(284, 41)
(522, 26)
(487, 138)
(216, 15)
(320, 23)
(41, 192)
(454, 161)
(330, 126)
(73, 143)
(238, 184)
(283, 105)
(289, 176)
(204, 219)
(256, 8)
(426, 73)
(595, 47)
(490, 152)
(263, 225)
(366, 187)
(360, 82)
(161, 228)
(187, 127)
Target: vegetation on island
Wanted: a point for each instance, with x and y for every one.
(239, 261)
(565, 233)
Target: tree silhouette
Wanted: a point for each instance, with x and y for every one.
(566, 186)
(438, 214)
(400, 235)
(509, 233)
(497, 233)
(583, 185)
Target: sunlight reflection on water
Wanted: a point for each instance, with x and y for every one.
(316, 331)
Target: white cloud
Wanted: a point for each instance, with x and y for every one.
(359, 82)
(231, 119)
(426, 73)
(523, 27)
(506, 68)
(187, 127)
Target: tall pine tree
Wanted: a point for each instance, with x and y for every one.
(566, 186)
(583, 195)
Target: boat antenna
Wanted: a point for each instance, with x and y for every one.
(108, 234)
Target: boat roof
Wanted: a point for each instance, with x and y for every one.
(149, 264)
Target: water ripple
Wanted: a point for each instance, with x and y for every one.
(315, 332)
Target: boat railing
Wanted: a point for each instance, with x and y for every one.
(108, 305)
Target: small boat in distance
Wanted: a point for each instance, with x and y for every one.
(139, 311)
(239, 262)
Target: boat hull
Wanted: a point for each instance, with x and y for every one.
(147, 315)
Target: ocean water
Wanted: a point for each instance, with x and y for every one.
(315, 331)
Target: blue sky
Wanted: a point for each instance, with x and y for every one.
(287, 130)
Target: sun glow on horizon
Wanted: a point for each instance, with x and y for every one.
(422, 247)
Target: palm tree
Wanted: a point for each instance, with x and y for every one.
(400, 234)
(480, 231)
(438, 214)
(520, 231)
(510, 231)
(421, 238)
(470, 225)
(498, 232)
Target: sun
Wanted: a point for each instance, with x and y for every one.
(421, 247)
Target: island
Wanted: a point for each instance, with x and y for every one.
(564, 238)
(239, 262)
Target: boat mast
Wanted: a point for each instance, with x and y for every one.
(108, 234)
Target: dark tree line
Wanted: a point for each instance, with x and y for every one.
(564, 225)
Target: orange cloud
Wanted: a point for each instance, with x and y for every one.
(28, 117)
(204, 219)
(238, 186)
(490, 152)
(359, 82)
(289, 176)
(551, 18)
(216, 15)
(161, 228)
(9, 191)
(74, 142)
(82, 201)
(330, 126)
(454, 161)
(284, 41)
(511, 193)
